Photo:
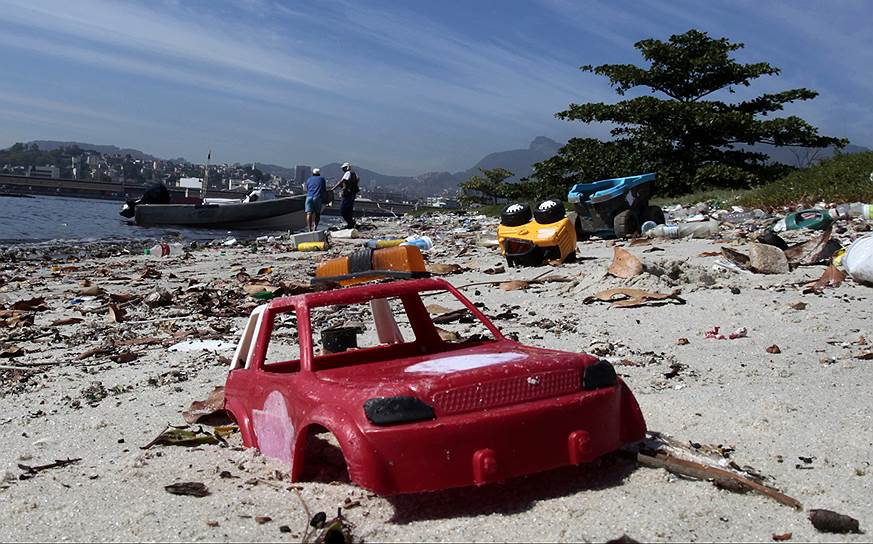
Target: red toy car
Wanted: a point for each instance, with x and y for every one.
(419, 409)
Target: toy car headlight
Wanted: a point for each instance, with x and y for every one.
(394, 410)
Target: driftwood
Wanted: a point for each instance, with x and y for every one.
(725, 479)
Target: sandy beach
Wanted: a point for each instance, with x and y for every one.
(800, 417)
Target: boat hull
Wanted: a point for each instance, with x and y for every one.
(280, 213)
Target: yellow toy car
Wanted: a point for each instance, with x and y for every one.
(530, 238)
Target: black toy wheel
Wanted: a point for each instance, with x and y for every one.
(550, 210)
(581, 234)
(654, 213)
(515, 215)
(626, 224)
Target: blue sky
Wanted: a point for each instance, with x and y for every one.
(398, 87)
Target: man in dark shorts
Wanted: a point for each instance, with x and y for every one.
(349, 184)
(316, 187)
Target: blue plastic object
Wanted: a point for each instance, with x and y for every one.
(601, 191)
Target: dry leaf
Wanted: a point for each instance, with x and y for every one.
(150, 273)
(740, 259)
(123, 297)
(494, 270)
(253, 288)
(831, 277)
(448, 336)
(67, 321)
(31, 305)
(437, 309)
(9, 352)
(209, 410)
(102, 350)
(709, 254)
(514, 285)
(814, 251)
(640, 242)
(448, 317)
(629, 298)
(124, 357)
(774, 349)
(265, 270)
(444, 269)
(624, 264)
(116, 314)
(866, 356)
(193, 489)
(781, 537)
(682, 342)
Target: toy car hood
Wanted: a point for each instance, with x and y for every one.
(426, 376)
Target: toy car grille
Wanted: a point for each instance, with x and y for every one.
(507, 391)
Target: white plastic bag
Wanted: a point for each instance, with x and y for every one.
(858, 260)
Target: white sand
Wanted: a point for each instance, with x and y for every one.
(731, 392)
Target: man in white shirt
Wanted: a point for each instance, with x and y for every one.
(350, 187)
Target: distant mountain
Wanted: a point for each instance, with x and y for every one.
(51, 145)
(801, 157)
(518, 161)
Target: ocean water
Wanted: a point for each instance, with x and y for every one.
(44, 218)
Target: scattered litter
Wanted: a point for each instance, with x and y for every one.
(828, 521)
(714, 334)
(66, 321)
(624, 264)
(816, 251)
(444, 269)
(858, 260)
(30, 472)
(204, 345)
(175, 436)
(629, 298)
(660, 451)
(191, 489)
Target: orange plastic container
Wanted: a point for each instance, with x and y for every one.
(365, 264)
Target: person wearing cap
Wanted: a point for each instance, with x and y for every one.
(316, 187)
(350, 186)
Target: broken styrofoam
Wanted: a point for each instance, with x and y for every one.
(202, 345)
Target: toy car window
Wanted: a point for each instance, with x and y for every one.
(283, 349)
(339, 329)
(455, 323)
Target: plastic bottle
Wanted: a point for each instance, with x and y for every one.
(379, 243)
(742, 217)
(164, 250)
(707, 229)
(312, 246)
(855, 209)
(814, 219)
(423, 242)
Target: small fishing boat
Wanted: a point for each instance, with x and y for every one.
(259, 210)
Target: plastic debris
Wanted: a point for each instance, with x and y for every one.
(713, 334)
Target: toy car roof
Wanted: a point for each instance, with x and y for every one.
(361, 293)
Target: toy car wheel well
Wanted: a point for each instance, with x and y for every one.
(321, 457)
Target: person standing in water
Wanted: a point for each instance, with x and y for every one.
(316, 187)
(350, 186)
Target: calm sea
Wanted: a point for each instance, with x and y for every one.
(44, 218)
